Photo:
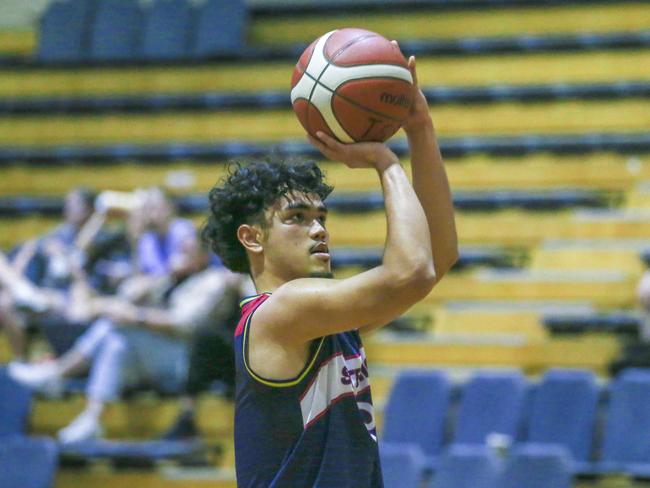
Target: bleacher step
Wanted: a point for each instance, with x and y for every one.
(577, 67)
(559, 117)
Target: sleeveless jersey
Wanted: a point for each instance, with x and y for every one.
(315, 430)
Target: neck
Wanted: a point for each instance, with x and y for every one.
(266, 282)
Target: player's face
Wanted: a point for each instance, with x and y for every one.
(297, 241)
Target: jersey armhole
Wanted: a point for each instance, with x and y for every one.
(277, 383)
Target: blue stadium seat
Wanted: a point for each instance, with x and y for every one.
(491, 402)
(416, 410)
(15, 405)
(563, 411)
(167, 26)
(626, 443)
(27, 462)
(220, 28)
(116, 32)
(537, 466)
(467, 465)
(402, 465)
(63, 30)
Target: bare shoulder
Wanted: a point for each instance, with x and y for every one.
(288, 306)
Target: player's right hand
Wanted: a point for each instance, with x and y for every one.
(355, 155)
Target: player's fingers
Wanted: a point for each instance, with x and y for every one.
(318, 144)
(412, 69)
(329, 141)
(327, 152)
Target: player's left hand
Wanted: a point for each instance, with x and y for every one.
(355, 155)
(419, 117)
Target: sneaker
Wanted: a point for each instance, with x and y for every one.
(85, 427)
(42, 377)
(29, 299)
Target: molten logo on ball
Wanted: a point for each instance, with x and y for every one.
(400, 100)
(352, 84)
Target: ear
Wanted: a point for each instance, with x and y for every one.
(250, 237)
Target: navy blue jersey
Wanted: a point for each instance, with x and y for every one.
(315, 430)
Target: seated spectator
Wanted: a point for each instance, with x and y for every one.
(146, 343)
(160, 232)
(46, 274)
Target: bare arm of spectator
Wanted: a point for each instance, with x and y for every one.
(189, 307)
(643, 291)
(24, 255)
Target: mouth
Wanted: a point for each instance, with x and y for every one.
(320, 250)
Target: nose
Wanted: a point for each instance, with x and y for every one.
(318, 231)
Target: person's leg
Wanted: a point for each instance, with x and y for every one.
(14, 326)
(211, 358)
(48, 377)
(104, 385)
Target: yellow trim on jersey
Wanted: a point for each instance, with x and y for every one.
(276, 384)
(250, 299)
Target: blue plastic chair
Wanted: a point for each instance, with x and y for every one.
(402, 465)
(537, 466)
(467, 465)
(15, 405)
(63, 30)
(626, 443)
(563, 411)
(220, 28)
(491, 402)
(116, 31)
(27, 462)
(166, 31)
(416, 410)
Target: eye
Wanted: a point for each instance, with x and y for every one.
(298, 217)
(322, 219)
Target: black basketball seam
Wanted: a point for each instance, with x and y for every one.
(350, 43)
(357, 104)
(349, 100)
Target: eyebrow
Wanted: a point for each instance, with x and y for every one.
(305, 206)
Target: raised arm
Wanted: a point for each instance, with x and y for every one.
(430, 181)
(305, 309)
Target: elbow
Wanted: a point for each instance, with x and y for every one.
(416, 282)
(447, 262)
(422, 283)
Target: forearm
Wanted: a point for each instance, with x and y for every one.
(408, 245)
(156, 319)
(89, 231)
(432, 189)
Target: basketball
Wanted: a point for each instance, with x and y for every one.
(352, 84)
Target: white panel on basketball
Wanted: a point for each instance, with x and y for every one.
(318, 63)
(322, 99)
(319, 96)
(335, 76)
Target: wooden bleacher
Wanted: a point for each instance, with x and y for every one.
(556, 19)
(604, 171)
(571, 117)
(569, 67)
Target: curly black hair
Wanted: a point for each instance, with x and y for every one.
(245, 193)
